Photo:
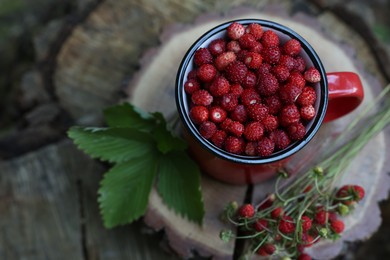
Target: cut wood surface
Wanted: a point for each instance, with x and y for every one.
(153, 90)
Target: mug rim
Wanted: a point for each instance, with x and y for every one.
(245, 159)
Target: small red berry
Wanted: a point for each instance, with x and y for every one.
(217, 47)
(249, 97)
(202, 98)
(308, 240)
(241, 55)
(304, 257)
(235, 72)
(321, 216)
(239, 114)
(249, 80)
(191, 86)
(224, 59)
(236, 89)
(280, 139)
(307, 112)
(271, 54)
(251, 148)
(255, 29)
(264, 68)
(258, 48)
(202, 56)
(312, 75)
(307, 97)
(257, 111)
(289, 93)
(273, 103)
(337, 226)
(236, 128)
(234, 144)
(246, 211)
(297, 79)
(281, 73)
(235, 31)
(289, 115)
(254, 131)
(220, 86)
(260, 225)
(199, 114)
(265, 147)
(268, 84)
(217, 115)
(229, 102)
(253, 60)
(270, 38)
(286, 225)
(354, 192)
(247, 41)
(296, 131)
(288, 62)
(306, 223)
(300, 64)
(225, 124)
(207, 129)
(270, 123)
(193, 74)
(219, 137)
(292, 47)
(269, 248)
(207, 72)
(277, 212)
(233, 46)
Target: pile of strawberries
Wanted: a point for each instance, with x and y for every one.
(278, 229)
(249, 94)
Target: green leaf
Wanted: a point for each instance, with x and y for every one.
(179, 185)
(112, 144)
(127, 115)
(166, 141)
(125, 189)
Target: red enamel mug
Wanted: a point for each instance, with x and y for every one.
(338, 93)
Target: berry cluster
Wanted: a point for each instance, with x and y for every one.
(277, 227)
(249, 93)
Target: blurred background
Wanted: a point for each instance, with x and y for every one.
(32, 115)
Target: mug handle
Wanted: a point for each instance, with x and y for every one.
(345, 94)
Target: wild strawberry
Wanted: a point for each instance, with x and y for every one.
(308, 188)
(235, 31)
(257, 111)
(286, 225)
(281, 73)
(241, 55)
(270, 38)
(348, 194)
(191, 86)
(249, 80)
(297, 79)
(193, 74)
(337, 226)
(307, 97)
(249, 97)
(277, 212)
(271, 54)
(307, 240)
(273, 103)
(255, 29)
(321, 217)
(235, 72)
(233, 46)
(280, 138)
(312, 75)
(229, 102)
(234, 144)
(260, 225)
(199, 114)
(207, 72)
(266, 249)
(239, 114)
(304, 257)
(220, 86)
(267, 202)
(253, 60)
(306, 223)
(224, 59)
(296, 131)
(247, 41)
(292, 47)
(287, 61)
(300, 64)
(265, 147)
(217, 114)
(225, 124)
(307, 112)
(270, 123)
(289, 115)
(236, 128)
(251, 148)
(289, 93)
(216, 47)
(218, 139)
(207, 129)
(253, 131)
(202, 56)
(202, 97)
(246, 211)
(268, 85)
(236, 89)
(264, 68)
(257, 47)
